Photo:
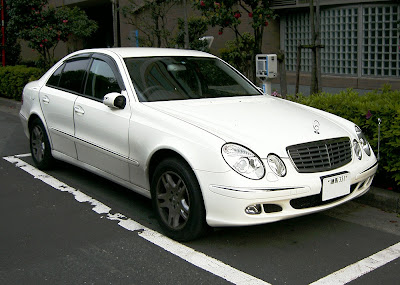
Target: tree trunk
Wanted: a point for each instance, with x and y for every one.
(314, 84)
(318, 44)
(282, 73)
(298, 67)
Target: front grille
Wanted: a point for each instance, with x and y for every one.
(320, 155)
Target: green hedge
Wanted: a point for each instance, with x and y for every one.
(364, 110)
(14, 78)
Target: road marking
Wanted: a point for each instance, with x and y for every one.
(194, 257)
(186, 253)
(361, 267)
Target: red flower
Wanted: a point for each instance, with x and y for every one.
(202, 3)
(65, 21)
(41, 45)
(266, 23)
(220, 32)
(368, 115)
(251, 15)
(217, 4)
(237, 15)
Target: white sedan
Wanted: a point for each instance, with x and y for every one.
(190, 132)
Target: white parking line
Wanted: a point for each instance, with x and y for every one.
(199, 259)
(188, 254)
(361, 267)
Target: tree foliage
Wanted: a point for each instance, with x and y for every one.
(150, 17)
(44, 26)
(197, 28)
(229, 14)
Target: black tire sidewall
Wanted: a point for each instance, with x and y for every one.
(196, 225)
(47, 158)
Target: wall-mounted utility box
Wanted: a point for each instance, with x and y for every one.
(266, 66)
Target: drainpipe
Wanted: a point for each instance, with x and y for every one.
(3, 35)
(116, 31)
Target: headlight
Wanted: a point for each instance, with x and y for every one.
(363, 141)
(243, 161)
(276, 165)
(357, 149)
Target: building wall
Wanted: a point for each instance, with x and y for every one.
(361, 43)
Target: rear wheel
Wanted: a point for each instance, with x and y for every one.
(40, 146)
(177, 200)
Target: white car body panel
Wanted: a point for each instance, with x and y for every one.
(57, 106)
(120, 144)
(101, 135)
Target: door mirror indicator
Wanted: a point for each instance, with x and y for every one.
(114, 100)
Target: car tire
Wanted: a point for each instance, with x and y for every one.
(40, 146)
(177, 200)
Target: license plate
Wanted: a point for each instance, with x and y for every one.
(335, 186)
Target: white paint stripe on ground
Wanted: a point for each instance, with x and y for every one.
(361, 267)
(188, 254)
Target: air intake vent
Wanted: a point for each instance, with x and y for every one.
(321, 155)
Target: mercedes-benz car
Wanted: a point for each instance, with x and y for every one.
(187, 130)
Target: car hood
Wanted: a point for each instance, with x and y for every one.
(264, 124)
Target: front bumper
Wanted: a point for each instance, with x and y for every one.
(225, 205)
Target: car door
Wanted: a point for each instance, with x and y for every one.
(57, 99)
(102, 132)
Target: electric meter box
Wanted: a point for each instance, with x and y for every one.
(266, 66)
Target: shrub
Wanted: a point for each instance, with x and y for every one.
(364, 110)
(14, 78)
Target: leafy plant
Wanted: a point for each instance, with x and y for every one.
(197, 27)
(238, 53)
(14, 78)
(44, 26)
(364, 110)
(228, 14)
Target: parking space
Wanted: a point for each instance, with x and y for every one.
(84, 223)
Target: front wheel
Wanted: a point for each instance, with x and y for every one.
(40, 146)
(177, 200)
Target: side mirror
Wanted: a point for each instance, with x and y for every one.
(114, 100)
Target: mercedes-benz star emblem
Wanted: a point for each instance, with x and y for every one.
(316, 127)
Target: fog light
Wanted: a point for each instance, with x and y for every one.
(253, 209)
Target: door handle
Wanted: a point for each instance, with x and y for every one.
(45, 99)
(79, 110)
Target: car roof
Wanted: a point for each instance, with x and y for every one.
(126, 52)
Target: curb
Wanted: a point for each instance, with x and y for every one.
(383, 199)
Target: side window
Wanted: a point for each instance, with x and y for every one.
(73, 74)
(101, 81)
(55, 78)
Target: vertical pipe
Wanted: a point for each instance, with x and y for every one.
(3, 35)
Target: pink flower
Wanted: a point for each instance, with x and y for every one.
(251, 15)
(202, 3)
(65, 21)
(41, 45)
(217, 4)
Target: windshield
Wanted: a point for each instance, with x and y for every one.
(179, 78)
